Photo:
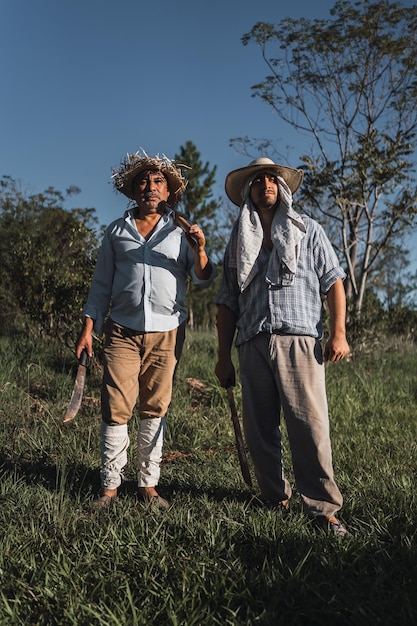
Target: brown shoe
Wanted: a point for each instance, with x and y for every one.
(332, 524)
(149, 495)
(103, 501)
(153, 499)
(280, 507)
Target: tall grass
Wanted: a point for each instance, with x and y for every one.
(217, 556)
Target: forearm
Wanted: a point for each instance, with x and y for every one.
(336, 300)
(88, 326)
(226, 327)
(336, 347)
(202, 266)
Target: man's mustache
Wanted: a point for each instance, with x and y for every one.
(149, 196)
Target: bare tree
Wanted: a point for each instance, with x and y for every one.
(349, 84)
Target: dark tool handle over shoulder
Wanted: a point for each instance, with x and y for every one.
(184, 225)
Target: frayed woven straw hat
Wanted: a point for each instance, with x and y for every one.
(134, 164)
(235, 180)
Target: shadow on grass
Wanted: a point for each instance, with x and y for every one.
(293, 575)
(84, 481)
(79, 479)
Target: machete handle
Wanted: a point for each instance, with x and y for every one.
(84, 359)
(184, 225)
(240, 447)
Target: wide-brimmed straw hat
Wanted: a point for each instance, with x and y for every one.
(134, 164)
(235, 180)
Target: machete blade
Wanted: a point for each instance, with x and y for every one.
(77, 393)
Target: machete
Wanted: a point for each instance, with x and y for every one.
(239, 439)
(184, 225)
(77, 393)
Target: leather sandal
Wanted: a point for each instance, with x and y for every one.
(333, 525)
(282, 507)
(155, 501)
(103, 501)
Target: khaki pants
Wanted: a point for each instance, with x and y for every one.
(285, 372)
(136, 365)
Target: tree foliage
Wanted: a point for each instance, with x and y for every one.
(199, 207)
(349, 84)
(197, 203)
(47, 255)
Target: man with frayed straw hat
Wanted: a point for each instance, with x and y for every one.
(137, 297)
(278, 266)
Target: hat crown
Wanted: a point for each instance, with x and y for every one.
(261, 161)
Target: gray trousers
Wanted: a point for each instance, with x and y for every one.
(286, 372)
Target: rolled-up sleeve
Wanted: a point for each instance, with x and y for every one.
(326, 262)
(330, 278)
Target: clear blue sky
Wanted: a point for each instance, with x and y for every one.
(86, 81)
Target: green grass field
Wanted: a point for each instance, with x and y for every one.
(217, 556)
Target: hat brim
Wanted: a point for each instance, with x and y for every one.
(236, 179)
(176, 185)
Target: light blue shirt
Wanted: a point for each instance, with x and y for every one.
(141, 283)
(293, 308)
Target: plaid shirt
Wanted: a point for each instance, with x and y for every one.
(294, 308)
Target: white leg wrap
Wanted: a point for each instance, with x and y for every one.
(150, 443)
(114, 442)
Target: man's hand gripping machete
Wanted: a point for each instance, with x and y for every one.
(185, 226)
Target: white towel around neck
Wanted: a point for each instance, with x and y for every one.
(287, 230)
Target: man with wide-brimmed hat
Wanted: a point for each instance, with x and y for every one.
(139, 286)
(278, 266)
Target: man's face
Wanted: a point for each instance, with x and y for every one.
(150, 189)
(264, 191)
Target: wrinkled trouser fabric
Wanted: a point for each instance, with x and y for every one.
(150, 443)
(114, 443)
(286, 372)
(136, 365)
